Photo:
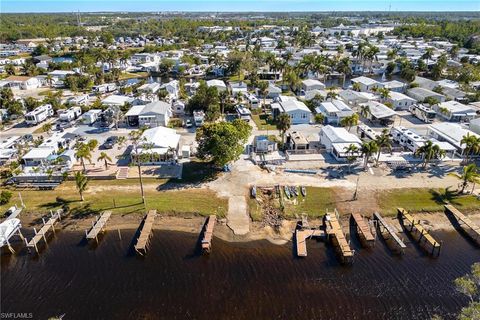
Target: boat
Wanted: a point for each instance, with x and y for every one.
(294, 191)
(287, 192)
(303, 190)
(254, 192)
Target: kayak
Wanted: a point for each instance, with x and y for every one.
(304, 191)
(287, 192)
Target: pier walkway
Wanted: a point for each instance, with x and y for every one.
(334, 229)
(424, 235)
(384, 226)
(41, 234)
(301, 236)
(208, 234)
(464, 222)
(143, 240)
(98, 226)
(363, 229)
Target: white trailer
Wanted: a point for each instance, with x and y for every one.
(198, 118)
(39, 114)
(91, 116)
(422, 112)
(70, 114)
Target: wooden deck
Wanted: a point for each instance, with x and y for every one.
(334, 229)
(208, 234)
(363, 229)
(301, 236)
(384, 226)
(143, 240)
(471, 228)
(41, 234)
(98, 226)
(424, 235)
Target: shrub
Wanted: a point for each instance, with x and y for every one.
(5, 197)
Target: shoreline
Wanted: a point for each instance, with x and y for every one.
(432, 221)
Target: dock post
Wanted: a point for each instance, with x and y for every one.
(20, 234)
(119, 234)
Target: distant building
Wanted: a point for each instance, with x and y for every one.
(297, 110)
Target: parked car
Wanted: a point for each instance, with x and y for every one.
(188, 123)
(110, 142)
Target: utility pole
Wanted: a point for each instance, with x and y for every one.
(355, 194)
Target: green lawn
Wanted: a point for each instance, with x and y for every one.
(261, 120)
(423, 199)
(316, 203)
(131, 75)
(103, 195)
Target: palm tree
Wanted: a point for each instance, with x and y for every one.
(121, 141)
(368, 149)
(352, 154)
(383, 142)
(263, 89)
(83, 152)
(343, 66)
(469, 174)
(138, 140)
(356, 86)
(105, 158)
(224, 97)
(365, 111)
(428, 55)
(429, 151)
(472, 146)
(384, 93)
(81, 182)
(283, 124)
(47, 127)
(349, 121)
(49, 80)
(331, 94)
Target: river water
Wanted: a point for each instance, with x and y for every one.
(255, 280)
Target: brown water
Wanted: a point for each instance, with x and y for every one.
(255, 280)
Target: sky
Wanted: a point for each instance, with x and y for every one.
(236, 5)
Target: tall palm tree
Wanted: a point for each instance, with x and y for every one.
(383, 142)
(429, 151)
(343, 66)
(368, 149)
(83, 152)
(263, 89)
(384, 93)
(105, 158)
(283, 124)
(137, 139)
(81, 182)
(472, 146)
(428, 54)
(469, 174)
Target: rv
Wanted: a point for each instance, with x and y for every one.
(407, 138)
(91, 116)
(106, 87)
(422, 112)
(70, 114)
(39, 114)
(198, 118)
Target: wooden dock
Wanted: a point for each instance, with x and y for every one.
(301, 236)
(334, 230)
(467, 225)
(41, 234)
(387, 229)
(363, 230)
(143, 240)
(98, 226)
(415, 226)
(208, 234)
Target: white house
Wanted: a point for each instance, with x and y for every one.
(160, 146)
(420, 94)
(454, 111)
(312, 84)
(154, 114)
(366, 84)
(334, 111)
(37, 156)
(219, 84)
(116, 100)
(337, 140)
(400, 101)
(238, 87)
(298, 111)
(379, 112)
(453, 133)
(23, 82)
